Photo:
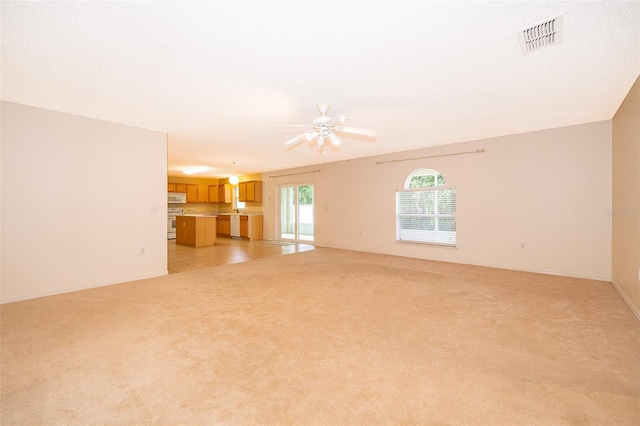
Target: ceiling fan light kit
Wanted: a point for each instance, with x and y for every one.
(323, 128)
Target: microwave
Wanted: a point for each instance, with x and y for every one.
(176, 197)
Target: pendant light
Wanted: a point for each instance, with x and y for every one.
(233, 179)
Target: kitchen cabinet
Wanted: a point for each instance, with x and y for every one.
(224, 225)
(255, 227)
(181, 187)
(244, 226)
(250, 226)
(196, 231)
(250, 191)
(213, 193)
(203, 193)
(171, 187)
(192, 193)
(224, 193)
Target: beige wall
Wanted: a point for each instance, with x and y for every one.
(548, 189)
(626, 199)
(80, 199)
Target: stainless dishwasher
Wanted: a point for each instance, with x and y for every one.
(235, 225)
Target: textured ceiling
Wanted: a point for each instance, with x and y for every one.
(219, 76)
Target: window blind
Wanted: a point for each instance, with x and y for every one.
(426, 215)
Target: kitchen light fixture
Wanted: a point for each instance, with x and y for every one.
(195, 169)
(233, 180)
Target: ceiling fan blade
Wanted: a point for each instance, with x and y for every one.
(321, 120)
(335, 141)
(355, 131)
(297, 139)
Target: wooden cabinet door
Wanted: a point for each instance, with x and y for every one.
(192, 193)
(254, 190)
(213, 193)
(255, 228)
(185, 231)
(203, 193)
(242, 191)
(244, 226)
(171, 187)
(181, 187)
(224, 193)
(250, 191)
(224, 225)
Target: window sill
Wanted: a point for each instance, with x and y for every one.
(420, 243)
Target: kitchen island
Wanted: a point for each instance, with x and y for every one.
(196, 230)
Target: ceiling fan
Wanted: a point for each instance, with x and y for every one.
(325, 128)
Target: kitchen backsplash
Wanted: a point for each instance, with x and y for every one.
(204, 208)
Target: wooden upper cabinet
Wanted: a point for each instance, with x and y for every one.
(250, 191)
(203, 193)
(196, 192)
(254, 191)
(192, 193)
(242, 191)
(213, 193)
(224, 193)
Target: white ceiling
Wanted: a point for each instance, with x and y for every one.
(219, 76)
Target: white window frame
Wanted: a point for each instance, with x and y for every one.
(436, 236)
(237, 204)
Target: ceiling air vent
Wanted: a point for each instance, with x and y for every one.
(541, 35)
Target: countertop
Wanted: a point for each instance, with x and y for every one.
(241, 214)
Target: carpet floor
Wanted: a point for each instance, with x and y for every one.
(325, 337)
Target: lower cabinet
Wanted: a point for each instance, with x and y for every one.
(244, 226)
(224, 225)
(250, 226)
(255, 227)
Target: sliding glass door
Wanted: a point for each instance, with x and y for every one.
(296, 213)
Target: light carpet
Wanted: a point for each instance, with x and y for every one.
(325, 337)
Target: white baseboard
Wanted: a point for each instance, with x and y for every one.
(626, 300)
(71, 289)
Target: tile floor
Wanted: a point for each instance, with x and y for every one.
(225, 251)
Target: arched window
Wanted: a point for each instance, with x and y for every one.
(426, 210)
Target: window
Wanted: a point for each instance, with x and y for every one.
(239, 205)
(426, 210)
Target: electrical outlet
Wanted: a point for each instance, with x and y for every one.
(522, 245)
(141, 252)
